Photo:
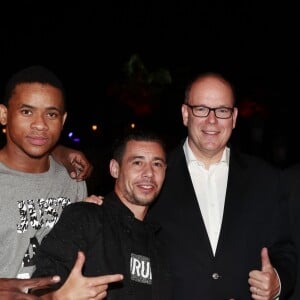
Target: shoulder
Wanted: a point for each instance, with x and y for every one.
(80, 217)
(84, 207)
(250, 161)
(291, 175)
(57, 167)
(82, 211)
(61, 174)
(293, 170)
(176, 155)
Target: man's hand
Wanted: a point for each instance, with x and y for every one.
(78, 287)
(74, 161)
(264, 284)
(16, 289)
(94, 199)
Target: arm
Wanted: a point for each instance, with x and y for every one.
(78, 287)
(16, 289)
(60, 254)
(74, 161)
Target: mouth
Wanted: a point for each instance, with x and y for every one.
(210, 132)
(37, 141)
(146, 186)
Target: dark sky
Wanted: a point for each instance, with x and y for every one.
(254, 43)
(252, 40)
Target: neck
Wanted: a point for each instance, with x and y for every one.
(24, 163)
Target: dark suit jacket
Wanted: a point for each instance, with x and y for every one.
(292, 177)
(254, 216)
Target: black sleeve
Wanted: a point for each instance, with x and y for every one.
(75, 229)
(283, 253)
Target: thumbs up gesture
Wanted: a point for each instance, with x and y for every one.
(264, 283)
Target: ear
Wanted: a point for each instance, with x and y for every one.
(3, 114)
(114, 168)
(185, 114)
(234, 118)
(65, 117)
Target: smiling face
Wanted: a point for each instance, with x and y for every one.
(208, 136)
(34, 119)
(140, 175)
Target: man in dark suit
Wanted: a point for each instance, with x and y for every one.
(224, 220)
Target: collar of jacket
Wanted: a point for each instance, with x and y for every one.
(125, 213)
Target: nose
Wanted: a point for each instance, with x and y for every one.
(39, 123)
(148, 171)
(212, 116)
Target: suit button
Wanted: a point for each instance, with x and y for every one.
(215, 276)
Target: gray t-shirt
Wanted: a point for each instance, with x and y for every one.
(30, 204)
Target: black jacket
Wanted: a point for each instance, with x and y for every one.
(255, 216)
(113, 242)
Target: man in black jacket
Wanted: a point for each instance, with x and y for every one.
(223, 219)
(114, 237)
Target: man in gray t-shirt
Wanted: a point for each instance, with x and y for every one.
(30, 205)
(34, 188)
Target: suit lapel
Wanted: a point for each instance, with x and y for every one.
(185, 190)
(236, 187)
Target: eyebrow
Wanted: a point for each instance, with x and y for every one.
(143, 157)
(24, 105)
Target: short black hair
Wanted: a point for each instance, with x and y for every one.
(121, 141)
(32, 74)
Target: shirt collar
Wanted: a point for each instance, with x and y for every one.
(190, 157)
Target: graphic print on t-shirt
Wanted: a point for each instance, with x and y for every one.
(37, 214)
(140, 268)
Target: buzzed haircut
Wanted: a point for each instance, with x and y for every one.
(32, 74)
(119, 145)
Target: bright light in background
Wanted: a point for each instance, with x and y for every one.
(132, 125)
(94, 127)
(73, 138)
(4, 130)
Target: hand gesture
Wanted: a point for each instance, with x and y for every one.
(16, 289)
(74, 161)
(264, 283)
(78, 287)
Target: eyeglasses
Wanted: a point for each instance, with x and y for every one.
(203, 111)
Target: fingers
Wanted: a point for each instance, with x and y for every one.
(101, 295)
(94, 199)
(16, 289)
(257, 293)
(16, 295)
(24, 284)
(78, 286)
(41, 282)
(264, 283)
(79, 263)
(106, 279)
(100, 284)
(78, 171)
(82, 168)
(265, 260)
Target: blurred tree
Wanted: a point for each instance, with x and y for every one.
(140, 89)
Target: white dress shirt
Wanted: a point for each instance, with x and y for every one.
(210, 188)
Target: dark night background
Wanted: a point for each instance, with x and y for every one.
(89, 45)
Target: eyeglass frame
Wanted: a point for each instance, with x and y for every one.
(192, 107)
